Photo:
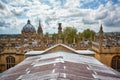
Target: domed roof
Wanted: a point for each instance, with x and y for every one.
(28, 27)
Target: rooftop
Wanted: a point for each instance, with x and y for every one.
(81, 52)
(60, 65)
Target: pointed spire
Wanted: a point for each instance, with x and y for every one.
(39, 23)
(101, 28)
(40, 31)
(39, 27)
(101, 38)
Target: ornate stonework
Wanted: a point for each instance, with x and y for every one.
(13, 47)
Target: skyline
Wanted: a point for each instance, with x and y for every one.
(81, 14)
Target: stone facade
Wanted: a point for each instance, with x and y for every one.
(13, 47)
(107, 49)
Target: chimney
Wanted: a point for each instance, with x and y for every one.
(59, 26)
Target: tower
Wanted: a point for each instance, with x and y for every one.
(100, 38)
(40, 31)
(28, 33)
(59, 33)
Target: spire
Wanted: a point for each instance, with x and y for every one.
(39, 27)
(39, 23)
(101, 31)
(101, 38)
(101, 28)
(40, 31)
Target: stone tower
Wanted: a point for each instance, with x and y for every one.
(40, 31)
(101, 38)
(59, 33)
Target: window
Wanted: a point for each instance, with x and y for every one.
(10, 61)
(116, 63)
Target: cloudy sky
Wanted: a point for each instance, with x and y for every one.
(81, 14)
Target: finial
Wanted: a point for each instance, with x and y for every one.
(28, 22)
(59, 25)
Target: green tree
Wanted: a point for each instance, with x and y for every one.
(80, 35)
(70, 32)
(54, 35)
(88, 34)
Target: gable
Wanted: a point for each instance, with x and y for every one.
(60, 47)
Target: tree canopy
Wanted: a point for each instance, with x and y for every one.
(71, 33)
(87, 34)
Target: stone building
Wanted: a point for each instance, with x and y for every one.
(60, 62)
(14, 47)
(107, 48)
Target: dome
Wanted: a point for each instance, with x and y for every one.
(28, 27)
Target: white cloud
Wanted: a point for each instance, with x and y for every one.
(101, 14)
(16, 13)
(72, 3)
(4, 9)
(111, 15)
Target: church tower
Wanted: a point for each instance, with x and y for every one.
(40, 31)
(59, 33)
(101, 38)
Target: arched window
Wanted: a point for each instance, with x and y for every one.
(10, 61)
(116, 63)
